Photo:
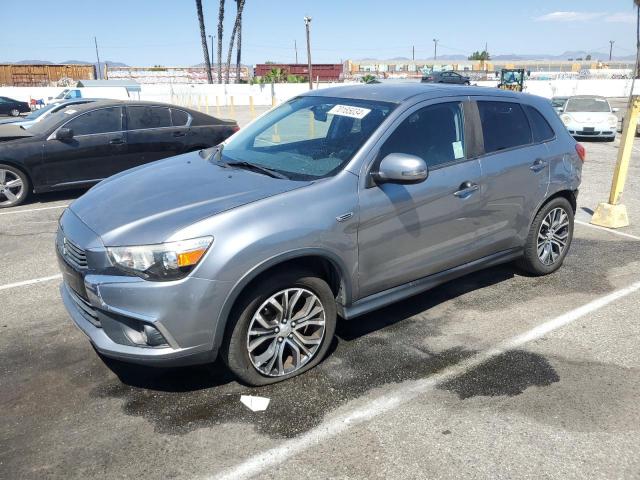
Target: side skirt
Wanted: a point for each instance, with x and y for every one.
(395, 294)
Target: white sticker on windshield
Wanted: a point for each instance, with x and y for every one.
(70, 112)
(349, 111)
(458, 151)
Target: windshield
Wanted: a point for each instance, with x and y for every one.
(62, 94)
(41, 111)
(587, 105)
(46, 123)
(558, 102)
(308, 138)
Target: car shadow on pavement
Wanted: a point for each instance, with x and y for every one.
(193, 378)
(49, 197)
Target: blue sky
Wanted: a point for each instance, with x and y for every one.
(148, 32)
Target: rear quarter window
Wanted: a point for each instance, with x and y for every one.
(540, 128)
(179, 117)
(504, 125)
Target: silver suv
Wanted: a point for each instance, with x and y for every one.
(334, 204)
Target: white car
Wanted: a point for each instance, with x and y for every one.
(42, 113)
(590, 116)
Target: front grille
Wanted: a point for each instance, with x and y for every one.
(86, 309)
(73, 253)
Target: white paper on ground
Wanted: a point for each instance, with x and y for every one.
(256, 404)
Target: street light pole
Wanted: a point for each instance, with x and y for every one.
(611, 42)
(435, 48)
(212, 61)
(307, 24)
(95, 40)
(295, 47)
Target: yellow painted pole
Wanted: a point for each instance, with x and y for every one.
(218, 105)
(614, 214)
(199, 104)
(251, 107)
(233, 108)
(206, 101)
(273, 100)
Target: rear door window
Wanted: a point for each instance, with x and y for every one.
(541, 129)
(504, 125)
(105, 120)
(434, 133)
(144, 117)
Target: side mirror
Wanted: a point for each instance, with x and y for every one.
(401, 168)
(64, 134)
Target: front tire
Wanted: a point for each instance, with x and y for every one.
(14, 112)
(549, 238)
(281, 327)
(14, 186)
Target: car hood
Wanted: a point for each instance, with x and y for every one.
(589, 117)
(148, 204)
(12, 132)
(10, 120)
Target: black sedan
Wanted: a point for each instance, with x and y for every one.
(445, 77)
(83, 144)
(13, 108)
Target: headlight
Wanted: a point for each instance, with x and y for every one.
(565, 118)
(164, 261)
(613, 120)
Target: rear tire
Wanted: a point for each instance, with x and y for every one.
(268, 355)
(14, 186)
(549, 238)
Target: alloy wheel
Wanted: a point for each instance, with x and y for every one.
(14, 112)
(286, 332)
(553, 236)
(11, 187)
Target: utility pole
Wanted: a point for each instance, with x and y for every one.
(295, 47)
(413, 52)
(212, 62)
(95, 40)
(307, 24)
(611, 42)
(435, 48)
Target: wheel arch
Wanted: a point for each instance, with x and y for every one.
(570, 195)
(325, 264)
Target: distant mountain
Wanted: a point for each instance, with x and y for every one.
(67, 62)
(32, 62)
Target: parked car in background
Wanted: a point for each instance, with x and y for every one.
(13, 108)
(590, 116)
(41, 113)
(445, 77)
(80, 145)
(113, 93)
(337, 202)
(558, 103)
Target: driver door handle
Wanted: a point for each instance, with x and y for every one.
(116, 141)
(466, 188)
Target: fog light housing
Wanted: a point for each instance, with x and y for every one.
(152, 336)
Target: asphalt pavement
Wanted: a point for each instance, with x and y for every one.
(494, 375)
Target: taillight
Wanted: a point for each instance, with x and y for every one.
(235, 128)
(582, 153)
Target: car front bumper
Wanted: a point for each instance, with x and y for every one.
(594, 131)
(120, 314)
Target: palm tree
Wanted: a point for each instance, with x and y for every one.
(220, 24)
(239, 43)
(203, 37)
(240, 4)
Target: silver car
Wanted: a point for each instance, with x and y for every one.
(334, 204)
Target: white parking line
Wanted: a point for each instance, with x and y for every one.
(407, 392)
(622, 234)
(33, 209)
(30, 282)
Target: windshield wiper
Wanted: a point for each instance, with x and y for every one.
(257, 168)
